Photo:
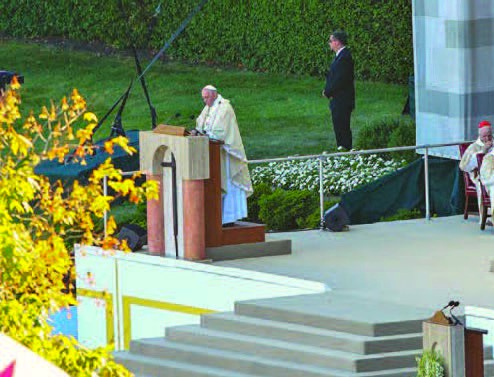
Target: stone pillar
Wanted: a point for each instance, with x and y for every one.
(194, 227)
(453, 47)
(155, 219)
(450, 342)
(191, 155)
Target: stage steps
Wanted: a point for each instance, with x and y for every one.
(330, 335)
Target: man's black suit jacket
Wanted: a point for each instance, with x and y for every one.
(340, 81)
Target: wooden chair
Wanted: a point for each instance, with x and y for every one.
(470, 189)
(486, 200)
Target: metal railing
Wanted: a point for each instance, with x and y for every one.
(322, 157)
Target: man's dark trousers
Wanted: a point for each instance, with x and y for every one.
(341, 125)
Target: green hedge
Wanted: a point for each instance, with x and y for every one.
(286, 36)
(388, 133)
(287, 210)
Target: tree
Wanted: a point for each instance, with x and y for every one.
(38, 221)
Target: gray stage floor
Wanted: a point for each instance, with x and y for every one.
(419, 262)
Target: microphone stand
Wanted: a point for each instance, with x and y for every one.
(455, 319)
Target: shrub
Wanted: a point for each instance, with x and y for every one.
(313, 221)
(389, 133)
(253, 207)
(287, 210)
(276, 36)
(404, 214)
(403, 135)
(375, 135)
(130, 213)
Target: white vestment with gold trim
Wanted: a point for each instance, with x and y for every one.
(218, 121)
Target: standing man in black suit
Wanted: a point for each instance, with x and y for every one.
(340, 89)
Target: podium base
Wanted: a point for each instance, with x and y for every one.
(243, 232)
(249, 250)
(235, 233)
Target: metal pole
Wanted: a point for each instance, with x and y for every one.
(426, 173)
(105, 193)
(321, 194)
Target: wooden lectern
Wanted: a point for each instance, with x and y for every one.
(474, 352)
(462, 348)
(216, 234)
(186, 218)
(179, 164)
(446, 337)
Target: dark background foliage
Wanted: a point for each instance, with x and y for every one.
(288, 36)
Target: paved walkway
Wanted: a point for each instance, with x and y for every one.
(419, 262)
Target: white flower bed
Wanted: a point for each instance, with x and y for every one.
(340, 174)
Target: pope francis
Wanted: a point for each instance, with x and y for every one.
(217, 120)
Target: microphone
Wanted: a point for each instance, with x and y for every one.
(451, 303)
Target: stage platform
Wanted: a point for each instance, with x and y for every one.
(416, 262)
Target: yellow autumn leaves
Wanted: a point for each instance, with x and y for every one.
(41, 220)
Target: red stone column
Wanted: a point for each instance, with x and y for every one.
(194, 228)
(156, 219)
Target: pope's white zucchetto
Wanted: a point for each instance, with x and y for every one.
(210, 87)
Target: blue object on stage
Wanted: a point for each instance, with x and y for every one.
(65, 322)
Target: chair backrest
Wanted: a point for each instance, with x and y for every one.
(469, 185)
(480, 158)
(463, 147)
(485, 195)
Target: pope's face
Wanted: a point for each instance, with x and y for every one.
(485, 134)
(208, 97)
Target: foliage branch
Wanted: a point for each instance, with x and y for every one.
(38, 218)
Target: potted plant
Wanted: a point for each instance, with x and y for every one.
(430, 364)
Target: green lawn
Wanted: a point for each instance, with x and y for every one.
(278, 115)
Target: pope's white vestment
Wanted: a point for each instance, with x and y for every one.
(218, 121)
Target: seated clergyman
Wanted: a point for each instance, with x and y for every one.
(217, 120)
(469, 163)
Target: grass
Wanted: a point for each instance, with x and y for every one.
(278, 115)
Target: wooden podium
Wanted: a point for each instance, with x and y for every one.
(217, 235)
(461, 348)
(186, 218)
(474, 352)
(179, 164)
